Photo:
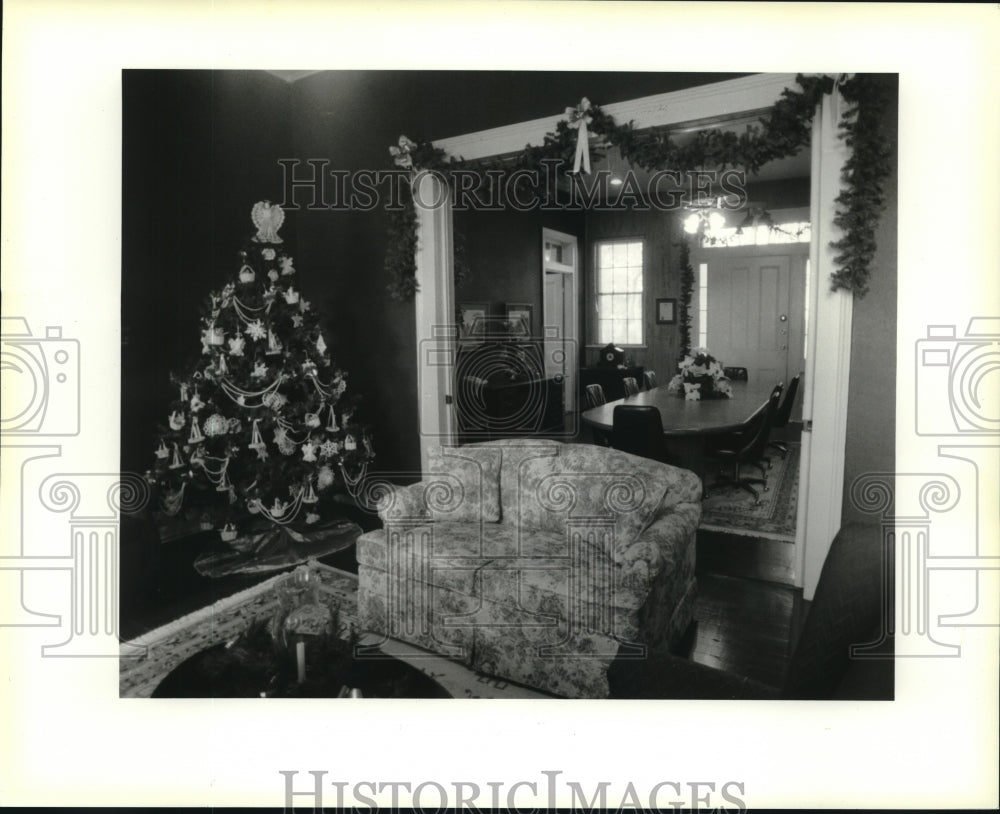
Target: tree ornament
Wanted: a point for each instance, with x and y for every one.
(216, 425)
(311, 517)
(328, 449)
(259, 370)
(310, 494)
(195, 437)
(286, 266)
(279, 508)
(291, 296)
(311, 420)
(297, 320)
(247, 275)
(308, 451)
(273, 345)
(176, 420)
(228, 533)
(332, 425)
(236, 345)
(222, 369)
(320, 345)
(162, 451)
(184, 392)
(304, 305)
(256, 441)
(256, 330)
(267, 254)
(176, 462)
(350, 444)
(196, 402)
(267, 217)
(272, 275)
(325, 478)
(234, 426)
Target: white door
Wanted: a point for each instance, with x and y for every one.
(755, 315)
(559, 311)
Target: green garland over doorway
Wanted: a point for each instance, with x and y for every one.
(785, 130)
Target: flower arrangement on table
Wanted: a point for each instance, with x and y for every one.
(701, 377)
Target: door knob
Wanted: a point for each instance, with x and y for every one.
(783, 318)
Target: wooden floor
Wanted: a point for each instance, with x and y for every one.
(746, 612)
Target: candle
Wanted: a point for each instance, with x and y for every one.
(300, 660)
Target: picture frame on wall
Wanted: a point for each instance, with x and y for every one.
(519, 316)
(666, 311)
(473, 319)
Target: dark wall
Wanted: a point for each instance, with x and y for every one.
(504, 256)
(351, 118)
(871, 407)
(199, 148)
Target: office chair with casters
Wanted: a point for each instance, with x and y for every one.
(631, 386)
(747, 449)
(595, 396)
(736, 374)
(638, 430)
(649, 379)
(846, 610)
(783, 412)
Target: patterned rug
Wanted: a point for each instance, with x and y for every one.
(731, 509)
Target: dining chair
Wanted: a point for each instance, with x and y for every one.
(748, 448)
(782, 414)
(595, 396)
(638, 430)
(631, 386)
(736, 374)
(649, 379)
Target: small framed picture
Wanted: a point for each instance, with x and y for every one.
(473, 319)
(666, 311)
(519, 318)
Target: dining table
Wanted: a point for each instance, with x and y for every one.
(690, 427)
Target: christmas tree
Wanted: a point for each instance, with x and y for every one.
(262, 431)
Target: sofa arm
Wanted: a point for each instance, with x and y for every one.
(395, 502)
(667, 543)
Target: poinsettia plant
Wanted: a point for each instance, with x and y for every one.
(701, 376)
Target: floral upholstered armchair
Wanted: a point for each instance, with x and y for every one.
(535, 561)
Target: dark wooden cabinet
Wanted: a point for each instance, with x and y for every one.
(610, 380)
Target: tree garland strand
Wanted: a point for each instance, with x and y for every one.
(781, 133)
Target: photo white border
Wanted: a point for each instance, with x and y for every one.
(69, 739)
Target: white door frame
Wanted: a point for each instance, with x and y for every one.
(570, 344)
(825, 395)
(435, 314)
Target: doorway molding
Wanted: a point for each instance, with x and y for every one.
(824, 396)
(568, 343)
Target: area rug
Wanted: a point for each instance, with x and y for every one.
(731, 509)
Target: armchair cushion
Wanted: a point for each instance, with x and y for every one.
(594, 482)
(466, 484)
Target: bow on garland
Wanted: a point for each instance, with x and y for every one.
(402, 155)
(579, 117)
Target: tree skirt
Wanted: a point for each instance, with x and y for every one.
(277, 547)
(731, 509)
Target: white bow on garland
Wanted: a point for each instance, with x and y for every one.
(579, 118)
